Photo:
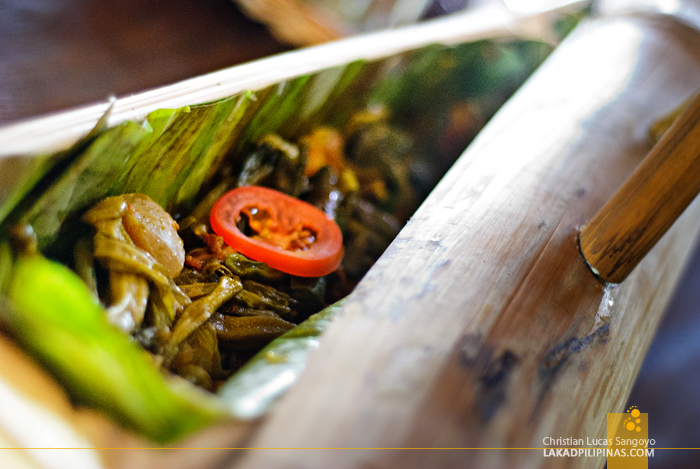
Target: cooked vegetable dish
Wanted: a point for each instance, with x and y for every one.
(204, 295)
(174, 250)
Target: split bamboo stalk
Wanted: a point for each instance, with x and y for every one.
(649, 202)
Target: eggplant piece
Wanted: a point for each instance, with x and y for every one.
(137, 219)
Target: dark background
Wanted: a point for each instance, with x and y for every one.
(56, 54)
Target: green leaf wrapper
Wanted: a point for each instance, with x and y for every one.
(57, 319)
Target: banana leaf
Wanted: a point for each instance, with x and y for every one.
(21, 174)
(175, 156)
(55, 317)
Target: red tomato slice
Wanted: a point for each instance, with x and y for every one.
(290, 235)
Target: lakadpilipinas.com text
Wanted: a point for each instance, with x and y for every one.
(594, 448)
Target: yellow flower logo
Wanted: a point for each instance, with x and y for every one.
(631, 423)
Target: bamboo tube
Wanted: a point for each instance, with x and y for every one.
(649, 202)
(481, 326)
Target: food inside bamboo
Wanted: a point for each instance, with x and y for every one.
(200, 306)
(157, 298)
(186, 294)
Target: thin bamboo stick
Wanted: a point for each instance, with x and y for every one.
(649, 202)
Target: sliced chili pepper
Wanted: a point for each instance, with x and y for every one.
(285, 233)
